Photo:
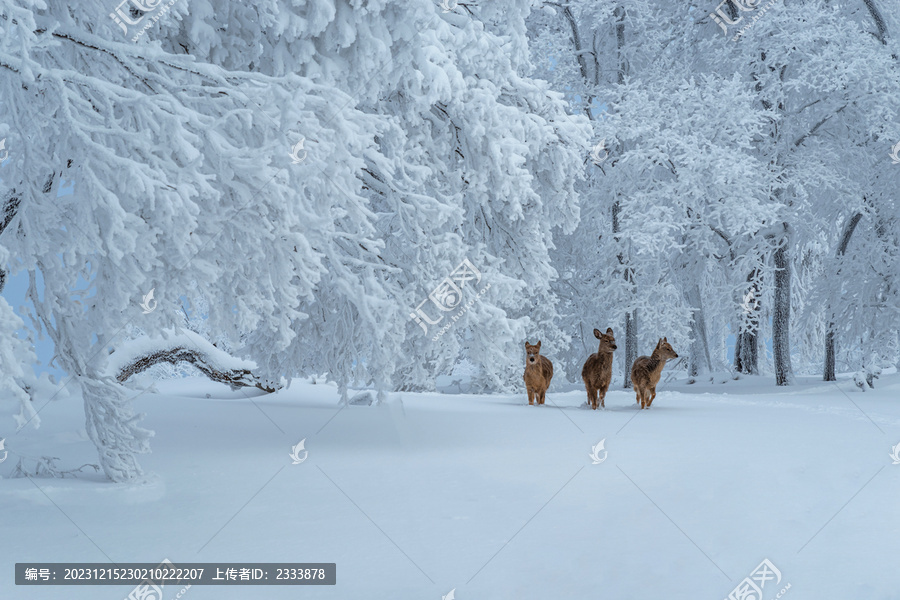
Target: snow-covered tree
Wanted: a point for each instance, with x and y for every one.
(677, 193)
(826, 98)
(16, 360)
(752, 128)
(423, 142)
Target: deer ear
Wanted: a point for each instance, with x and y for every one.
(659, 343)
(597, 333)
(609, 331)
(538, 345)
(665, 341)
(527, 344)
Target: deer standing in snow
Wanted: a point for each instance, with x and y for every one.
(647, 370)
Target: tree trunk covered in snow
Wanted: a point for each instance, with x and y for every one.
(699, 361)
(631, 330)
(781, 314)
(849, 228)
(110, 421)
(631, 317)
(110, 424)
(631, 324)
(746, 347)
(581, 54)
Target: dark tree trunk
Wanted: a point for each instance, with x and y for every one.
(746, 348)
(631, 352)
(747, 353)
(849, 228)
(781, 314)
(829, 354)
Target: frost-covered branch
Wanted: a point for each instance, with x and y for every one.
(879, 21)
(186, 347)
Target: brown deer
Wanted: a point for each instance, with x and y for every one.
(538, 373)
(647, 370)
(597, 370)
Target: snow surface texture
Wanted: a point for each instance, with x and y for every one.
(484, 494)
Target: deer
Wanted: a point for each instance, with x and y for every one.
(646, 371)
(597, 370)
(538, 373)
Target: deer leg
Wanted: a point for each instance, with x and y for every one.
(530, 396)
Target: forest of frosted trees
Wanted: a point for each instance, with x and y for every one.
(634, 164)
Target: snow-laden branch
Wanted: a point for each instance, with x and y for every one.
(141, 354)
(879, 21)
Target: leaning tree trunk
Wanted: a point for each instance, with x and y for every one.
(849, 228)
(781, 314)
(231, 376)
(879, 21)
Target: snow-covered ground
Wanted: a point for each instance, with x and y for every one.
(483, 495)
